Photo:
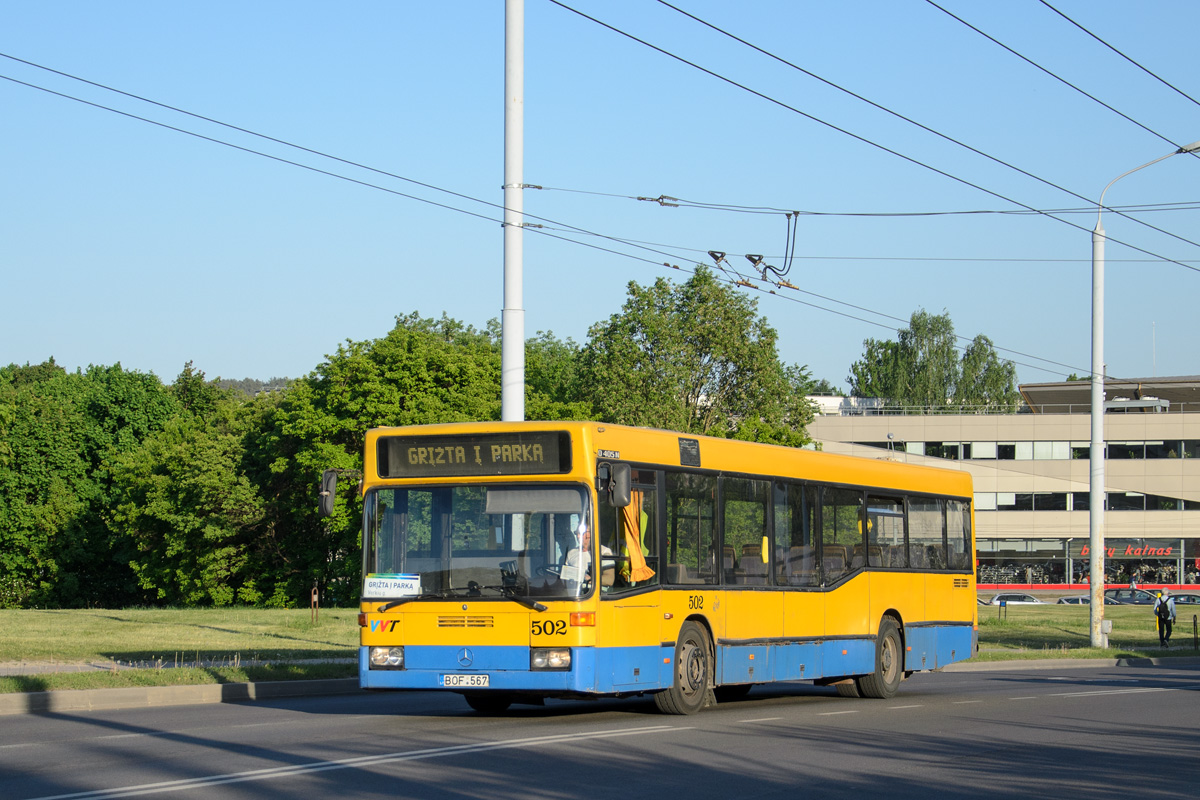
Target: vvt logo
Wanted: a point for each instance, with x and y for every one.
(383, 625)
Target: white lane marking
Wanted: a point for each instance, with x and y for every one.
(763, 719)
(1114, 691)
(1031, 697)
(835, 713)
(351, 763)
(896, 708)
(965, 702)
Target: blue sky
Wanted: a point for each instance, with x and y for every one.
(123, 241)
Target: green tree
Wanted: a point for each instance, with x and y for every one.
(183, 504)
(824, 388)
(552, 381)
(190, 512)
(696, 358)
(985, 379)
(60, 430)
(923, 368)
(423, 371)
(44, 482)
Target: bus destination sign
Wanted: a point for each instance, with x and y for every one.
(520, 453)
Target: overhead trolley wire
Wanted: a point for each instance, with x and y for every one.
(923, 127)
(302, 148)
(852, 135)
(678, 202)
(1170, 86)
(1056, 77)
(742, 281)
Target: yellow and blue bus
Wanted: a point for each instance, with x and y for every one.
(514, 562)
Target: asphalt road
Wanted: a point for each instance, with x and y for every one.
(1086, 734)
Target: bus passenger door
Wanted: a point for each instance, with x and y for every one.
(631, 618)
(633, 626)
(753, 611)
(796, 568)
(849, 631)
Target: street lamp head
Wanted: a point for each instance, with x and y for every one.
(1188, 148)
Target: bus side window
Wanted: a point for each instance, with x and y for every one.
(631, 534)
(958, 533)
(926, 526)
(841, 531)
(691, 521)
(796, 561)
(744, 529)
(885, 532)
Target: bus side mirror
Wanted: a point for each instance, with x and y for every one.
(619, 486)
(328, 493)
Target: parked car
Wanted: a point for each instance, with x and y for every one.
(1135, 597)
(1084, 600)
(1185, 599)
(1009, 598)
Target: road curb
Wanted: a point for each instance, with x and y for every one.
(1021, 665)
(155, 696)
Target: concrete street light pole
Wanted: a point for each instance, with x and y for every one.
(1096, 494)
(512, 319)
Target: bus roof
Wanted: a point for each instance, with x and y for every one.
(656, 447)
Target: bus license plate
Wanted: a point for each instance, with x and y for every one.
(466, 680)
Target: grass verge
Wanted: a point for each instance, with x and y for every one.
(149, 637)
(1054, 631)
(181, 676)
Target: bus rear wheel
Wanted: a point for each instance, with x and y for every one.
(889, 664)
(693, 673)
(848, 688)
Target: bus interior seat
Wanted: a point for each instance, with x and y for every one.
(833, 561)
(754, 571)
(917, 554)
(680, 575)
(802, 566)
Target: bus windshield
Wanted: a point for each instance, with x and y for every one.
(515, 541)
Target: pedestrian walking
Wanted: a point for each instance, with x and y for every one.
(1164, 612)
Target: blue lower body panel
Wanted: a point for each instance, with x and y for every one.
(935, 646)
(507, 669)
(624, 670)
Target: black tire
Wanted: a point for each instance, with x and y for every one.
(889, 663)
(488, 703)
(693, 673)
(848, 689)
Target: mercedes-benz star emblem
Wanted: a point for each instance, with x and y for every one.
(465, 657)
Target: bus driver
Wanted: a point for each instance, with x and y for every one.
(579, 560)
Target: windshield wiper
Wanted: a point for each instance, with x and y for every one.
(510, 593)
(409, 599)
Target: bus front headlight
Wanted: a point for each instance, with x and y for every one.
(386, 657)
(550, 658)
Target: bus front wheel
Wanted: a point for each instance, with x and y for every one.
(693, 673)
(889, 664)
